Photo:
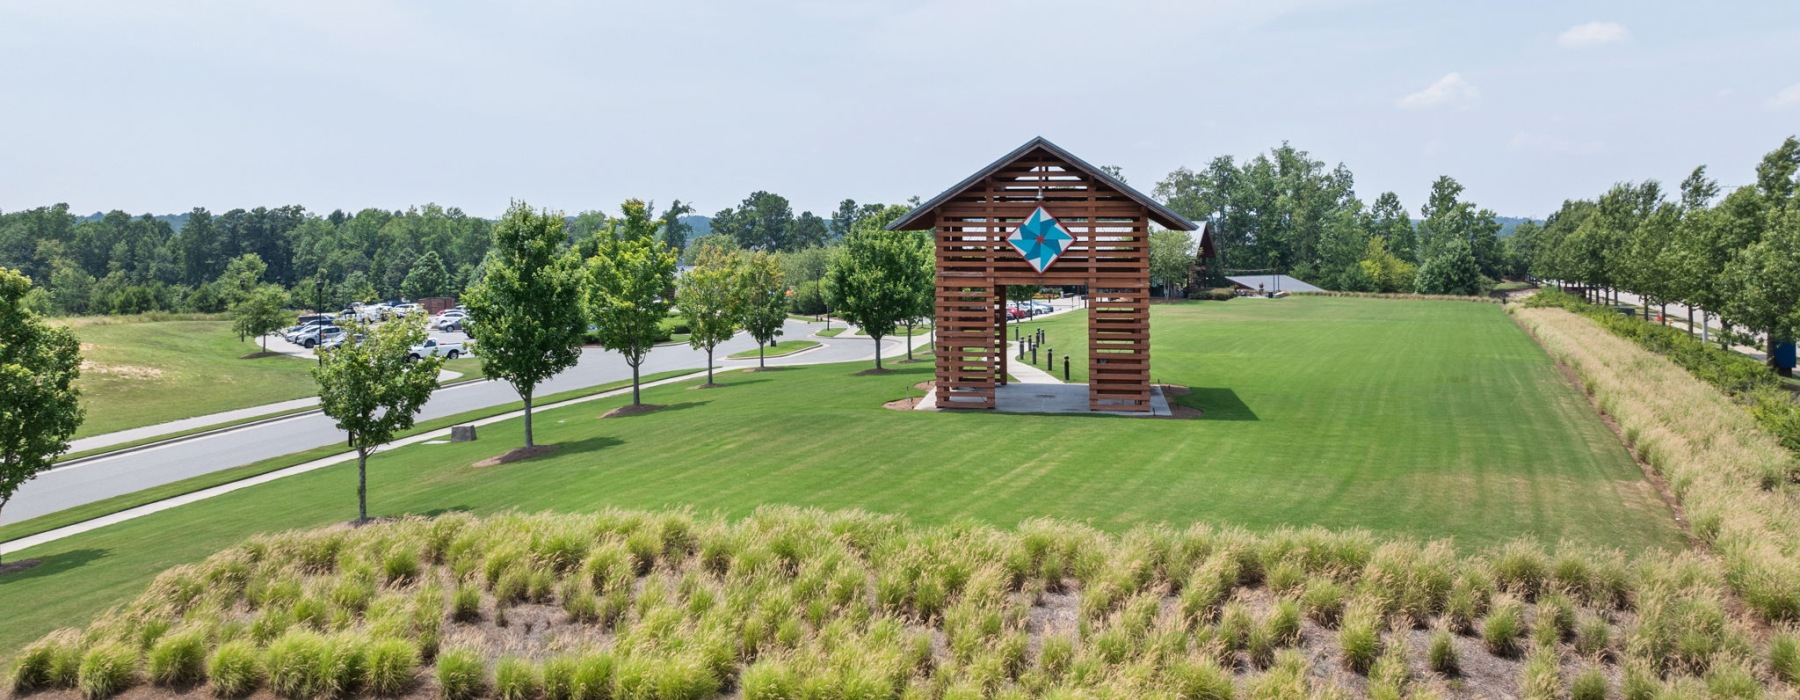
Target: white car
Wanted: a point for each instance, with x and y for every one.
(448, 318)
(433, 348)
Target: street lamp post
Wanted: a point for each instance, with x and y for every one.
(319, 308)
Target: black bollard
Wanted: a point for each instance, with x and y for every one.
(1034, 354)
(1065, 368)
(1049, 358)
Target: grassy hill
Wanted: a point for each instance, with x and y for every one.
(139, 372)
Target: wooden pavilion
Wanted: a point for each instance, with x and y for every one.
(1040, 215)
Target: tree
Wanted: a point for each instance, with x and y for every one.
(675, 231)
(708, 297)
(1765, 283)
(525, 314)
(761, 222)
(764, 295)
(260, 313)
(373, 389)
(1451, 270)
(807, 230)
(1386, 272)
(241, 277)
(427, 278)
(628, 296)
(38, 368)
(1448, 218)
(868, 283)
(1171, 259)
(921, 283)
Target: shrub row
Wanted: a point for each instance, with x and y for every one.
(1743, 378)
(1415, 297)
(799, 603)
(1732, 478)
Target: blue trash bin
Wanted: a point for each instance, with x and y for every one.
(1784, 354)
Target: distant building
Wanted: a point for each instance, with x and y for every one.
(1271, 284)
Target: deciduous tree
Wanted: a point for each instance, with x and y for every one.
(628, 296)
(526, 313)
(708, 297)
(764, 295)
(868, 283)
(372, 388)
(260, 313)
(42, 406)
(1171, 259)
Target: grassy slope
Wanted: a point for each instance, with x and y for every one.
(151, 372)
(782, 348)
(1427, 419)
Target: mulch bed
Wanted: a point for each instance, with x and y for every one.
(260, 355)
(517, 455)
(13, 567)
(632, 410)
(1169, 392)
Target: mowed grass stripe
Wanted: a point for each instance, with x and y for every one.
(1368, 435)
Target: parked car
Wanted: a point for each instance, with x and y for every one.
(433, 348)
(446, 319)
(319, 335)
(309, 318)
(1039, 307)
(293, 334)
(334, 341)
(404, 310)
(1015, 313)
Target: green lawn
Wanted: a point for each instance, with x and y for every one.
(832, 332)
(785, 347)
(1417, 419)
(143, 373)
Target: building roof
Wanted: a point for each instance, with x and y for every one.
(1158, 213)
(1272, 283)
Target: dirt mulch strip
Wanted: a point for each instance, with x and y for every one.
(517, 455)
(260, 355)
(13, 567)
(708, 385)
(631, 410)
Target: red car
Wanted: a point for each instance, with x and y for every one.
(1015, 313)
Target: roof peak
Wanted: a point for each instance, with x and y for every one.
(1158, 212)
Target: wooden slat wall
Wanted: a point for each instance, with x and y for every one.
(1111, 256)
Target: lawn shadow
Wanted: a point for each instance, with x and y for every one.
(593, 444)
(722, 382)
(54, 564)
(445, 510)
(1219, 404)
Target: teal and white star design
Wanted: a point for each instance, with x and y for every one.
(1041, 239)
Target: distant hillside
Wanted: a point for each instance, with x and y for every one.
(175, 221)
(1509, 223)
(702, 225)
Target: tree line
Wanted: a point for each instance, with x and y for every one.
(1734, 258)
(1286, 212)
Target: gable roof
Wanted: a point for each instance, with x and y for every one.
(1158, 213)
(1272, 283)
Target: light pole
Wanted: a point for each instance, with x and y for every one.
(319, 308)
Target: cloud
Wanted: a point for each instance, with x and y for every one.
(1593, 34)
(1549, 143)
(1449, 91)
(1788, 97)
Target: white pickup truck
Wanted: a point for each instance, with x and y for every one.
(433, 348)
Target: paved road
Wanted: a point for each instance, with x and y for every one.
(89, 481)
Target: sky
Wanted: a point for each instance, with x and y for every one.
(152, 106)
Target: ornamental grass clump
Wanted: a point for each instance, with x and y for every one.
(461, 675)
(235, 669)
(178, 659)
(1503, 627)
(1359, 636)
(1441, 652)
(106, 670)
(392, 666)
(51, 663)
(1590, 684)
